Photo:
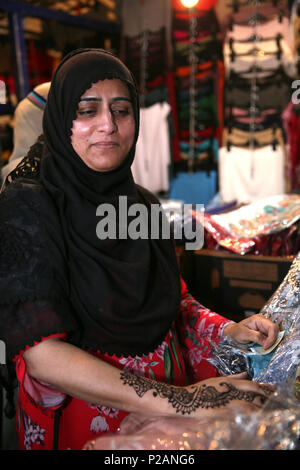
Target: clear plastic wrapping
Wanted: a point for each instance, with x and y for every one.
(274, 427)
(280, 365)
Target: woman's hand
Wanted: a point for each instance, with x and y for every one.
(211, 397)
(232, 393)
(256, 328)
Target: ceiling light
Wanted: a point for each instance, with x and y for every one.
(189, 3)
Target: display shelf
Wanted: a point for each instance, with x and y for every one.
(18, 10)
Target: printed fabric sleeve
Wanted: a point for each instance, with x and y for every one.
(198, 327)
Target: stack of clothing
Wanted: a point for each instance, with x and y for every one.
(199, 92)
(259, 69)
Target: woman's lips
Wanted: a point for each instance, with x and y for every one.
(105, 144)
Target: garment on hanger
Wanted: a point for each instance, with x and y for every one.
(151, 15)
(267, 58)
(272, 92)
(295, 26)
(226, 11)
(201, 148)
(199, 78)
(154, 38)
(246, 175)
(263, 137)
(265, 11)
(242, 122)
(263, 30)
(184, 36)
(150, 168)
(291, 124)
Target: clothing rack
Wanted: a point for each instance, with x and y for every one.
(198, 69)
(253, 91)
(257, 90)
(192, 90)
(196, 32)
(234, 78)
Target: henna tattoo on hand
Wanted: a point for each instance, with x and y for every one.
(186, 401)
(266, 388)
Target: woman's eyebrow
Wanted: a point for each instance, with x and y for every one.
(116, 98)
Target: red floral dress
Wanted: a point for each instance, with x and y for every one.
(48, 419)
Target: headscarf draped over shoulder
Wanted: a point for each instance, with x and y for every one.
(124, 293)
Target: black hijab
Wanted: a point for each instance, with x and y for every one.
(125, 293)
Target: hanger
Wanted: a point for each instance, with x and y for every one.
(255, 37)
(258, 108)
(255, 51)
(257, 69)
(235, 5)
(255, 19)
(252, 143)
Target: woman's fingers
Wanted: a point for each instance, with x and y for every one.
(235, 391)
(264, 330)
(241, 375)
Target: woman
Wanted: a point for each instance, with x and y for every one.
(100, 327)
(28, 118)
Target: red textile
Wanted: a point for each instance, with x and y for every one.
(294, 141)
(180, 359)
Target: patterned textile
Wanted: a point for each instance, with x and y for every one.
(47, 420)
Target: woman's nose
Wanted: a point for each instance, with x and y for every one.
(106, 122)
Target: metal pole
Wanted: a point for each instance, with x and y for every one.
(19, 54)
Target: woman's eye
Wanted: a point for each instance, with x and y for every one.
(120, 111)
(86, 112)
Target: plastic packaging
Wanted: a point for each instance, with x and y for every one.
(281, 364)
(181, 220)
(270, 226)
(274, 427)
(263, 217)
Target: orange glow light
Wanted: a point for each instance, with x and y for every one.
(189, 3)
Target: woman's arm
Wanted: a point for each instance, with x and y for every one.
(81, 375)
(256, 328)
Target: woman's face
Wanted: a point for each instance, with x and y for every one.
(104, 129)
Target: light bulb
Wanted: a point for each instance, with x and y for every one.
(189, 3)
